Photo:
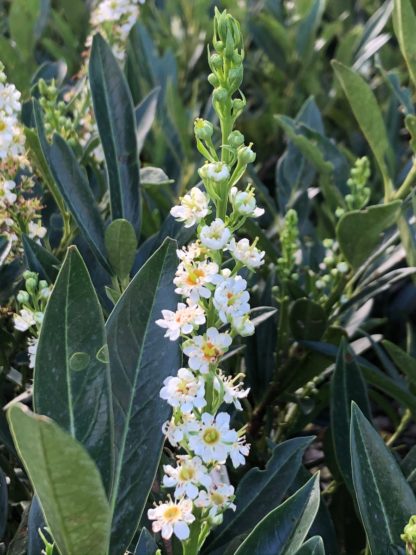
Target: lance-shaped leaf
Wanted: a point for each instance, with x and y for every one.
(314, 546)
(114, 112)
(145, 114)
(347, 385)
(365, 108)
(66, 481)
(384, 497)
(140, 359)
(283, 530)
(260, 491)
(146, 544)
(40, 260)
(404, 22)
(72, 386)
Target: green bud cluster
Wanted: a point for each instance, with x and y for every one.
(289, 245)
(333, 268)
(34, 296)
(409, 536)
(55, 111)
(359, 194)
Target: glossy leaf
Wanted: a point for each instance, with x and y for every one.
(384, 497)
(74, 187)
(347, 385)
(66, 480)
(308, 320)
(365, 108)
(260, 491)
(71, 385)
(121, 244)
(40, 260)
(140, 359)
(314, 546)
(403, 361)
(283, 530)
(113, 108)
(146, 544)
(359, 232)
(404, 22)
(145, 114)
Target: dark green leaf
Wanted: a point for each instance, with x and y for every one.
(385, 499)
(404, 22)
(66, 480)
(314, 546)
(365, 108)
(146, 544)
(308, 320)
(347, 385)
(23, 17)
(260, 491)
(121, 244)
(403, 361)
(74, 187)
(140, 359)
(359, 232)
(3, 503)
(145, 114)
(71, 385)
(40, 260)
(114, 112)
(283, 530)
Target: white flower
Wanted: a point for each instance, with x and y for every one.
(193, 207)
(248, 255)
(191, 252)
(24, 320)
(238, 451)
(176, 431)
(9, 99)
(192, 279)
(186, 477)
(31, 349)
(172, 517)
(206, 349)
(184, 321)
(36, 230)
(244, 202)
(216, 171)
(214, 439)
(243, 325)
(216, 235)
(232, 391)
(6, 192)
(218, 498)
(231, 298)
(184, 390)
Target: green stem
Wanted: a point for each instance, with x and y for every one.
(407, 415)
(191, 545)
(406, 186)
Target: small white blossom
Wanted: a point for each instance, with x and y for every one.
(36, 230)
(24, 320)
(243, 325)
(7, 196)
(185, 320)
(231, 389)
(216, 171)
(206, 349)
(175, 432)
(192, 279)
(231, 298)
(191, 252)
(244, 203)
(186, 476)
(9, 99)
(216, 235)
(217, 499)
(248, 255)
(172, 517)
(238, 451)
(214, 439)
(31, 349)
(185, 390)
(193, 208)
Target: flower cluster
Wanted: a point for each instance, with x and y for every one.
(32, 304)
(19, 209)
(215, 310)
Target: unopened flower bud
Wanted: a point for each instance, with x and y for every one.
(28, 274)
(215, 62)
(235, 77)
(246, 155)
(213, 80)
(31, 284)
(238, 105)
(23, 297)
(235, 139)
(203, 129)
(220, 95)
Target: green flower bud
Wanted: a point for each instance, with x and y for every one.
(238, 105)
(215, 62)
(245, 155)
(31, 285)
(43, 88)
(28, 274)
(23, 297)
(213, 80)
(235, 139)
(220, 95)
(235, 77)
(409, 536)
(43, 284)
(203, 129)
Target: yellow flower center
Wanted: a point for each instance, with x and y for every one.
(2, 125)
(211, 436)
(186, 473)
(183, 387)
(172, 513)
(210, 351)
(217, 498)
